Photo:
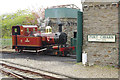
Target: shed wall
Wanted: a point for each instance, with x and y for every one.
(69, 26)
(101, 20)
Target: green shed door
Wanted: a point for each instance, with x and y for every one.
(79, 41)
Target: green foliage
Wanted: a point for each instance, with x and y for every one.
(21, 17)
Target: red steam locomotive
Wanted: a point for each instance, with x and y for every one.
(28, 37)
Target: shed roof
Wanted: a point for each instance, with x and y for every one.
(61, 13)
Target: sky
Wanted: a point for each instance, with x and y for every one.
(10, 6)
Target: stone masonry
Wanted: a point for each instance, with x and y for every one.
(101, 18)
(69, 26)
(98, 18)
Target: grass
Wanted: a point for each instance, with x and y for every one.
(6, 42)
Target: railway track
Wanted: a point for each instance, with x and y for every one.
(17, 72)
(27, 73)
(15, 75)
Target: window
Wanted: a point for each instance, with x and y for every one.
(50, 30)
(15, 30)
(27, 29)
(33, 29)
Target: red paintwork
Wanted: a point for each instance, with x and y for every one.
(23, 33)
(66, 48)
(13, 40)
(29, 41)
(49, 38)
(23, 30)
(55, 47)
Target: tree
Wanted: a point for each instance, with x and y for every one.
(21, 17)
(39, 15)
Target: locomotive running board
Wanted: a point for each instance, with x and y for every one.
(37, 50)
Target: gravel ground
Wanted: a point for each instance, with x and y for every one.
(63, 65)
(3, 76)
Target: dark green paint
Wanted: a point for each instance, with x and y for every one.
(61, 13)
(79, 36)
(73, 43)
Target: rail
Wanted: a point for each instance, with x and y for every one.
(59, 76)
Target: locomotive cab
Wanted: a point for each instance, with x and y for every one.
(15, 32)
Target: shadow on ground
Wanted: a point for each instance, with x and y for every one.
(36, 56)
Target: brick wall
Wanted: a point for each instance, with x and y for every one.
(100, 18)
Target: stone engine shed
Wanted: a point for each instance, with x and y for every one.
(65, 14)
(98, 18)
(101, 18)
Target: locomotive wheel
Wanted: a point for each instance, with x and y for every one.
(66, 53)
(57, 53)
(36, 51)
(20, 50)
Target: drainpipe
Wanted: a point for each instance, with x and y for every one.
(79, 36)
(119, 29)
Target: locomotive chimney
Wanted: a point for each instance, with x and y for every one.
(60, 27)
(59, 24)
